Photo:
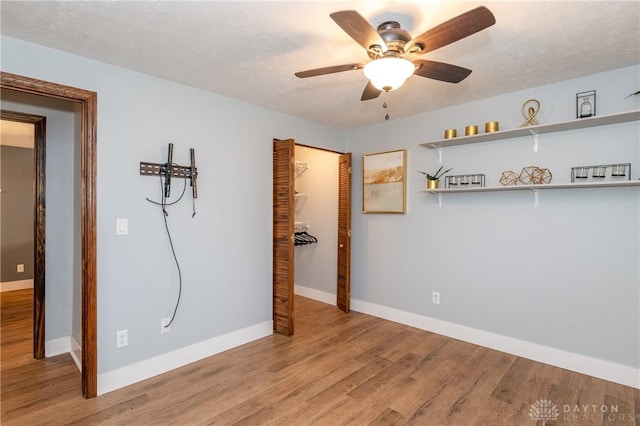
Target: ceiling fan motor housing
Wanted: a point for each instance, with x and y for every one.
(394, 37)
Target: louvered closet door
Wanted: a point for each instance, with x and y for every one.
(344, 233)
(283, 192)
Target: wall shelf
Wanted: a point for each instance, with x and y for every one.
(536, 130)
(533, 188)
(608, 184)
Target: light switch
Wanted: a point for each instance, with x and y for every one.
(122, 226)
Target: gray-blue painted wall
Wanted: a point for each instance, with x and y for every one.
(16, 233)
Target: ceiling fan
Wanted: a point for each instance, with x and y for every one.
(393, 51)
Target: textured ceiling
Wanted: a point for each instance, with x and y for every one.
(250, 50)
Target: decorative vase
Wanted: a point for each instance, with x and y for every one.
(432, 183)
(491, 126)
(450, 133)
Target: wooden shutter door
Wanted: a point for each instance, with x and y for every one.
(344, 233)
(283, 192)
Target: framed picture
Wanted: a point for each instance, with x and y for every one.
(586, 104)
(384, 177)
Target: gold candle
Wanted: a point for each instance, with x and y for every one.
(491, 126)
(471, 130)
(450, 133)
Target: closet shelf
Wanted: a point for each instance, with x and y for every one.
(301, 167)
(582, 123)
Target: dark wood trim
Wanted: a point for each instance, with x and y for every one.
(88, 101)
(39, 286)
(39, 222)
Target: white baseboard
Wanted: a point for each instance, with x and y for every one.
(16, 285)
(311, 293)
(148, 368)
(599, 368)
(58, 346)
(76, 352)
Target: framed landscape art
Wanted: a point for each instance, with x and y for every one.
(384, 179)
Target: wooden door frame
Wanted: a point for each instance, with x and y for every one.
(88, 102)
(39, 221)
(283, 298)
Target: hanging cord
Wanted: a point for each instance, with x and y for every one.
(184, 188)
(163, 204)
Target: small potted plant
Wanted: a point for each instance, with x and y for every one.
(434, 179)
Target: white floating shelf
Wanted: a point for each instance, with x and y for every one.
(582, 123)
(610, 184)
(533, 188)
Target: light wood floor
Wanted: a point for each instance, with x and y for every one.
(337, 369)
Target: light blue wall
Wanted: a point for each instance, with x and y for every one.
(563, 275)
(224, 251)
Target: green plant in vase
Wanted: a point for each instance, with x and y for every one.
(433, 180)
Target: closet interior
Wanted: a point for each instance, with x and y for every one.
(316, 223)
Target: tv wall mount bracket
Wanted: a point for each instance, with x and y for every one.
(169, 170)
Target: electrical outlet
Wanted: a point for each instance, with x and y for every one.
(122, 338)
(435, 298)
(20, 268)
(163, 323)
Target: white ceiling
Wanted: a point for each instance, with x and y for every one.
(250, 50)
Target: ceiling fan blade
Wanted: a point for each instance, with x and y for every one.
(370, 92)
(359, 29)
(454, 29)
(440, 71)
(329, 70)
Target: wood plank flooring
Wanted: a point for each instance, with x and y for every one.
(337, 369)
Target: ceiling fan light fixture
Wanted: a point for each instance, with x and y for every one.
(388, 73)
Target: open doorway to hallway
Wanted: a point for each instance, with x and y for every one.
(86, 103)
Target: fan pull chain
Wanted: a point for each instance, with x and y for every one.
(384, 105)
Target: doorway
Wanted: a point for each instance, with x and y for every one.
(285, 204)
(37, 251)
(87, 101)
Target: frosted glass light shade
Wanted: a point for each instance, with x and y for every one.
(388, 73)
